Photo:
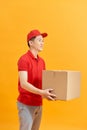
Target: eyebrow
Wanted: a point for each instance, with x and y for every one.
(40, 38)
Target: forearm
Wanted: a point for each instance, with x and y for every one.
(44, 93)
(29, 87)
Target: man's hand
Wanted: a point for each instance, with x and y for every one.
(47, 93)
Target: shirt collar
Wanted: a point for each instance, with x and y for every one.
(31, 54)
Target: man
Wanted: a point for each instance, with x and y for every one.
(30, 67)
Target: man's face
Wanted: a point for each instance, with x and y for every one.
(38, 43)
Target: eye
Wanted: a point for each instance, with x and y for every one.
(41, 40)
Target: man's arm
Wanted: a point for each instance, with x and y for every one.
(23, 77)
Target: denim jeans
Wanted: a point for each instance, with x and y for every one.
(29, 116)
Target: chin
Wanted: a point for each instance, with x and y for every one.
(41, 49)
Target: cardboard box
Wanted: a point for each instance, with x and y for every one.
(66, 84)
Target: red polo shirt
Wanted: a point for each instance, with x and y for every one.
(34, 67)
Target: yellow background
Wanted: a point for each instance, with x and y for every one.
(65, 48)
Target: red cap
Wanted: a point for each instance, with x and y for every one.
(35, 33)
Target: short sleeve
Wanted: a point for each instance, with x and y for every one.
(22, 65)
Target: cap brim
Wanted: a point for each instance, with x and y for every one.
(44, 34)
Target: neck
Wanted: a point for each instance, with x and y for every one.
(34, 52)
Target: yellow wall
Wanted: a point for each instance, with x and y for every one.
(65, 48)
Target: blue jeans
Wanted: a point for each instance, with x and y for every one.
(29, 116)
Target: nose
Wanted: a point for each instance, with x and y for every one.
(41, 44)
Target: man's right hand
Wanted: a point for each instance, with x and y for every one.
(47, 93)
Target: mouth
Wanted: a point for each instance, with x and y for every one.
(41, 46)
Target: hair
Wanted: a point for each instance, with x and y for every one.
(32, 39)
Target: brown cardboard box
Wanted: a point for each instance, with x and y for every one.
(66, 84)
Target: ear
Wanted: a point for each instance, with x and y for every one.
(30, 43)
